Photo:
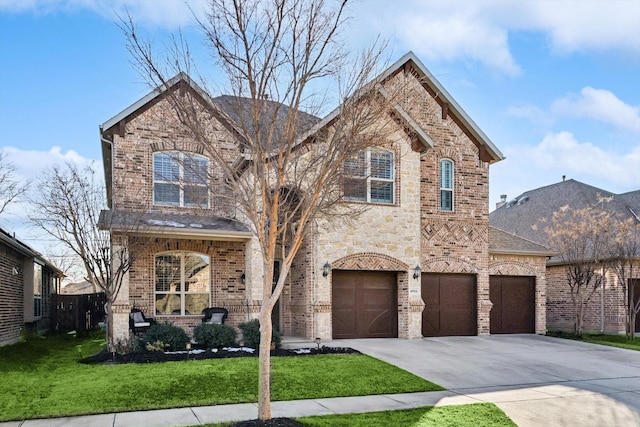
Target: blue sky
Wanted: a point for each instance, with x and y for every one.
(554, 84)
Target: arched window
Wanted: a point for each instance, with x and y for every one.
(369, 177)
(180, 179)
(182, 283)
(446, 185)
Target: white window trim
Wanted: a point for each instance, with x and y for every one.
(183, 291)
(449, 189)
(369, 178)
(180, 184)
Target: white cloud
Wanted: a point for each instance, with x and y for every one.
(532, 113)
(479, 31)
(601, 105)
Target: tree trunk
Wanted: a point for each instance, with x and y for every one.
(264, 370)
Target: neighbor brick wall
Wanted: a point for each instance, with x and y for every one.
(11, 296)
(561, 312)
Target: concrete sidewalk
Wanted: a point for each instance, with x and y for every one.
(537, 381)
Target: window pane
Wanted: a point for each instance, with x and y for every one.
(355, 166)
(196, 272)
(166, 167)
(196, 196)
(168, 273)
(166, 194)
(195, 303)
(355, 189)
(381, 191)
(381, 165)
(446, 174)
(167, 304)
(195, 169)
(446, 200)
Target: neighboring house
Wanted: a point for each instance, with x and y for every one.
(528, 216)
(425, 237)
(27, 281)
(80, 288)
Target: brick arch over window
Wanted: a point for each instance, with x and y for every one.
(445, 152)
(511, 268)
(448, 265)
(369, 261)
(184, 146)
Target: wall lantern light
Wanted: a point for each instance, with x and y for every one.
(243, 278)
(325, 269)
(416, 272)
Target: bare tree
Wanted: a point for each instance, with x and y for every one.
(582, 239)
(67, 206)
(288, 174)
(10, 187)
(626, 265)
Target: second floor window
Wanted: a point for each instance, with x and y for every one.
(180, 179)
(446, 185)
(369, 177)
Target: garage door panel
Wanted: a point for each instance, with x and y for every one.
(364, 304)
(513, 299)
(450, 305)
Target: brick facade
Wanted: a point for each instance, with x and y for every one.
(11, 296)
(412, 231)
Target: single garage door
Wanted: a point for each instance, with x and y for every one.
(450, 305)
(514, 307)
(365, 304)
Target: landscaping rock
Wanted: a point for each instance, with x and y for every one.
(273, 422)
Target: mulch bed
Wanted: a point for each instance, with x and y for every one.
(158, 356)
(273, 422)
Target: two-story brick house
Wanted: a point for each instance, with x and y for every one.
(424, 238)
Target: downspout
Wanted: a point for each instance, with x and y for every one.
(604, 282)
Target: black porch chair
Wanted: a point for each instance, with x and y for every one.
(215, 315)
(138, 322)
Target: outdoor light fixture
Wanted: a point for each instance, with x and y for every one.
(325, 269)
(318, 341)
(243, 278)
(416, 272)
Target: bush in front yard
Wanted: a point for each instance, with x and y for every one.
(173, 337)
(251, 334)
(213, 335)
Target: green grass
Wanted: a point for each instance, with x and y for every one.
(42, 378)
(611, 340)
(614, 341)
(476, 415)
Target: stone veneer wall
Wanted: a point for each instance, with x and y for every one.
(382, 238)
(11, 296)
(522, 265)
(561, 313)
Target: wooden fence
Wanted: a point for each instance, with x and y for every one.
(77, 312)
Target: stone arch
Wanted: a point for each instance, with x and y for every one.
(369, 261)
(448, 265)
(511, 268)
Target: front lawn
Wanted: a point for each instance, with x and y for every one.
(42, 378)
(614, 341)
(475, 415)
(610, 340)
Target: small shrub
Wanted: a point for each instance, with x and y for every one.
(251, 334)
(213, 335)
(156, 346)
(173, 337)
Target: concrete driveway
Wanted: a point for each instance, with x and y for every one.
(535, 380)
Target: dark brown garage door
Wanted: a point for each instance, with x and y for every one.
(450, 305)
(365, 304)
(514, 308)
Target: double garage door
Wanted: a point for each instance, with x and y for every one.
(451, 305)
(365, 304)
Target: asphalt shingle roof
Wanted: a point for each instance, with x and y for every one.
(501, 242)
